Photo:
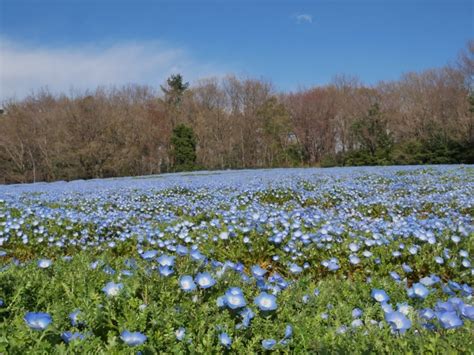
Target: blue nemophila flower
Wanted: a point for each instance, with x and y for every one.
(220, 301)
(356, 313)
(112, 289)
(403, 308)
(268, 344)
(166, 260)
(196, 255)
(186, 283)
(386, 307)
(356, 323)
(427, 314)
(38, 320)
(225, 340)
(418, 290)
(204, 280)
(380, 295)
(257, 271)
(181, 250)
(234, 298)
(398, 321)
(354, 259)
(295, 269)
(395, 276)
(429, 280)
(467, 311)
(354, 247)
(341, 330)
(74, 318)
(165, 270)
(180, 333)
(68, 336)
(449, 319)
(266, 302)
(288, 334)
(444, 307)
(407, 268)
(247, 315)
(1, 303)
(150, 254)
(44, 263)
(132, 338)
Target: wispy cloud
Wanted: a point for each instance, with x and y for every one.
(303, 18)
(24, 68)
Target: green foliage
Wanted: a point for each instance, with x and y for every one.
(184, 148)
(175, 89)
(373, 138)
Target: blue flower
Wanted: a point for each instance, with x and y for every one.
(386, 307)
(186, 283)
(257, 271)
(444, 307)
(38, 320)
(196, 255)
(165, 270)
(266, 302)
(74, 318)
(341, 330)
(112, 289)
(295, 269)
(380, 295)
(181, 250)
(268, 344)
(354, 259)
(427, 313)
(398, 321)
(204, 280)
(407, 268)
(395, 276)
(467, 311)
(44, 263)
(180, 333)
(418, 290)
(133, 338)
(148, 255)
(449, 319)
(166, 260)
(68, 336)
(225, 340)
(234, 298)
(356, 313)
(247, 315)
(288, 334)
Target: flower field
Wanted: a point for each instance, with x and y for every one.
(285, 260)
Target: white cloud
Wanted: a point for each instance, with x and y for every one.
(24, 68)
(303, 18)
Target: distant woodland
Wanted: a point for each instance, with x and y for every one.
(423, 118)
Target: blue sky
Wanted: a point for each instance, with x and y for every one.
(81, 44)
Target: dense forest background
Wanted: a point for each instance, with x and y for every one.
(425, 117)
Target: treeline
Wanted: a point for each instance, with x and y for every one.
(425, 117)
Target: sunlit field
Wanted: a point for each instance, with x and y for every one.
(285, 260)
